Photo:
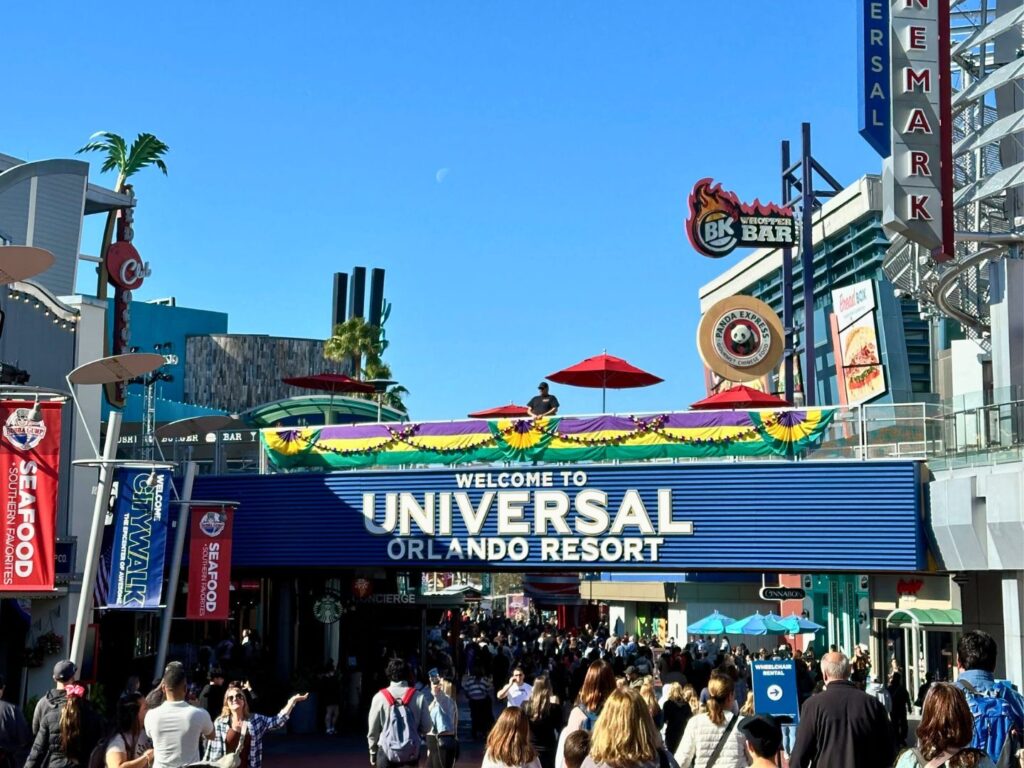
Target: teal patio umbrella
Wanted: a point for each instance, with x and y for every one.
(798, 625)
(714, 624)
(757, 624)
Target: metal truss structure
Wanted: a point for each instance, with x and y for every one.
(988, 151)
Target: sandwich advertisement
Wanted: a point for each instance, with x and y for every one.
(859, 366)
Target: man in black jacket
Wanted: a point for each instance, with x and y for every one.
(842, 727)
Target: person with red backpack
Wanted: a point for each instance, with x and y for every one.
(997, 708)
(399, 720)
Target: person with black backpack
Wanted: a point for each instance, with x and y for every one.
(997, 708)
(399, 720)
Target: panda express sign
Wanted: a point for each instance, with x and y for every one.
(719, 223)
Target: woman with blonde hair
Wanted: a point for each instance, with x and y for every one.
(647, 694)
(690, 694)
(239, 730)
(677, 714)
(508, 743)
(624, 735)
(544, 712)
(945, 733)
(711, 737)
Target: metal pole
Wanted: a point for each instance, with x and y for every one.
(175, 572)
(787, 289)
(807, 261)
(92, 555)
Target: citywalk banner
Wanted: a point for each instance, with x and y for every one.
(140, 538)
(30, 461)
(209, 566)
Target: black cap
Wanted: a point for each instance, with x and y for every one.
(216, 672)
(64, 671)
(764, 734)
(542, 385)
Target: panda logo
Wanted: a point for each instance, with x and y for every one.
(743, 339)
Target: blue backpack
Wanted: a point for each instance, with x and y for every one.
(588, 724)
(400, 739)
(995, 729)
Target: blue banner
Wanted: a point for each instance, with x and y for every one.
(873, 84)
(141, 515)
(774, 685)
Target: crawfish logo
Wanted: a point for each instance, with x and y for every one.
(718, 222)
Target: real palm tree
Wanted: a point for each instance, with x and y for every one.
(393, 396)
(354, 340)
(145, 151)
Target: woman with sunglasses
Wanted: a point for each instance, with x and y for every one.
(239, 730)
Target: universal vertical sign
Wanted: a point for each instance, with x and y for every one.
(873, 81)
(919, 171)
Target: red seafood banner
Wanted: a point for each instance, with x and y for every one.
(209, 565)
(30, 461)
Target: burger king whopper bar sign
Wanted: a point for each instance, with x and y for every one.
(719, 223)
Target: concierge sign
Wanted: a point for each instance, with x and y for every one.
(765, 516)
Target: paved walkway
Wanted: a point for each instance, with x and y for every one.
(289, 751)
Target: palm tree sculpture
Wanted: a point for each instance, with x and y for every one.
(145, 151)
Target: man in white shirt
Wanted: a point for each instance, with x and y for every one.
(517, 691)
(176, 726)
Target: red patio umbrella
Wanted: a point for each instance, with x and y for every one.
(509, 411)
(329, 382)
(741, 396)
(607, 372)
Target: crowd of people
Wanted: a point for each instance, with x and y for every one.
(169, 727)
(605, 701)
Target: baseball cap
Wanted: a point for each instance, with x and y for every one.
(764, 734)
(64, 671)
(542, 385)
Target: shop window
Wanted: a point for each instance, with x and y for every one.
(145, 634)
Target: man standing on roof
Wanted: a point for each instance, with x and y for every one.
(542, 404)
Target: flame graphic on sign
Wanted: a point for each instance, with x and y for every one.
(708, 197)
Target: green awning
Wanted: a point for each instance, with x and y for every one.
(928, 618)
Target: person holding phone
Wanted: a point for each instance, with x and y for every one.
(442, 741)
(517, 691)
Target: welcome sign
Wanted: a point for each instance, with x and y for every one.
(564, 517)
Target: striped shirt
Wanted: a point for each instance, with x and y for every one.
(476, 687)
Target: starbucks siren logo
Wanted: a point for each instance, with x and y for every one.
(23, 432)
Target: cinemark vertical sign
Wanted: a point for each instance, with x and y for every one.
(918, 176)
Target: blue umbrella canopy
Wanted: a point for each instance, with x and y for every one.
(799, 625)
(757, 624)
(714, 624)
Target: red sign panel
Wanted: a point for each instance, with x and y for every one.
(30, 461)
(209, 567)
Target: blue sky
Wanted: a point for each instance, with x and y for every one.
(307, 138)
